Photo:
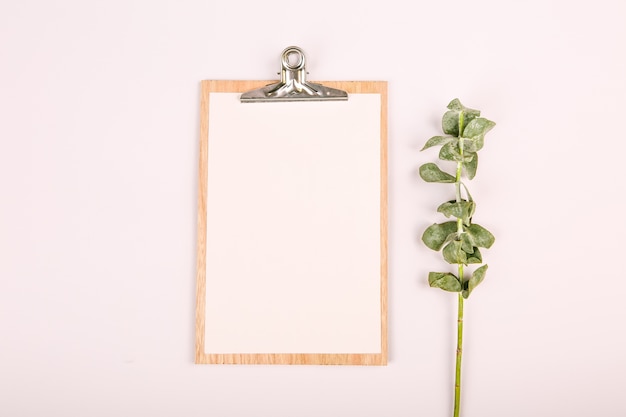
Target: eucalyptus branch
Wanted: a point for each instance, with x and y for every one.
(460, 239)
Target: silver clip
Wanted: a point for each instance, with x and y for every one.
(293, 85)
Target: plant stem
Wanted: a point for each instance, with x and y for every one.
(459, 328)
(459, 354)
(457, 184)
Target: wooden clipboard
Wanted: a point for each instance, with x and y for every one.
(284, 275)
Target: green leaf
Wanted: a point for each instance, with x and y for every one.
(474, 144)
(455, 208)
(453, 253)
(468, 116)
(450, 123)
(475, 257)
(444, 280)
(461, 210)
(435, 235)
(450, 120)
(431, 173)
(450, 152)
(467, 243)
(477, 127)
(482, 237)
(477, 277)
(439, 140)
(471, 166)
(456, 105)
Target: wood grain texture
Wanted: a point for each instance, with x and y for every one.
(352, 87)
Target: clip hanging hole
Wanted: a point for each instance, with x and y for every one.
(293, 58)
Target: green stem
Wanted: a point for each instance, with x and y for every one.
(457, 184)
(459, 165)
(459, 354)
(459, 328)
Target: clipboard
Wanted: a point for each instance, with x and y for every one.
(292, 221)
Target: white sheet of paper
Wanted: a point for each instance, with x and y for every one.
(293, 226)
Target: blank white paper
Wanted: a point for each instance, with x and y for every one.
(293, 260)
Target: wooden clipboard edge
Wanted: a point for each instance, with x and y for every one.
(355, 87)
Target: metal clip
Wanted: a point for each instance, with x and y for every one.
(293, 85)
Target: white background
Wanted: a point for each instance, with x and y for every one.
(99, 116)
